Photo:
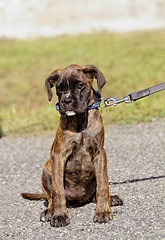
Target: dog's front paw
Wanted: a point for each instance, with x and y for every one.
(45, 216)
(103, 217)
(59, 221)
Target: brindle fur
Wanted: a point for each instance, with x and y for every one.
(76, 172)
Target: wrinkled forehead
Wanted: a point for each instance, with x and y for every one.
(69, 79)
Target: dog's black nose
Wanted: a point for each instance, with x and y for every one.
(67, 100)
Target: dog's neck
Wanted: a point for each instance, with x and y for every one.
(76, 123)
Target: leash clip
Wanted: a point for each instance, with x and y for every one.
(111, 101)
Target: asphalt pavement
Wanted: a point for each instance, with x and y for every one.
(136, 169)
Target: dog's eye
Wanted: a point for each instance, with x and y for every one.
(80, 85)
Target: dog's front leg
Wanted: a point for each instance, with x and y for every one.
(59, 211)
(103, 211)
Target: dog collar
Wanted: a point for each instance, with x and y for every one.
(57, 106)
(94, 105)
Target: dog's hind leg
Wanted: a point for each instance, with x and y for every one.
(115, 200)
(46, 181)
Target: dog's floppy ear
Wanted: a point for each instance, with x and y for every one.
(50, 82)
(92, 72)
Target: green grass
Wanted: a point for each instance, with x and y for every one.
(130, 62)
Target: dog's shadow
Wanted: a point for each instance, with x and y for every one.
(136, 180)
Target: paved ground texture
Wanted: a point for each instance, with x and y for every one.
(136, 155)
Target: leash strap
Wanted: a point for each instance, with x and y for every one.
(131, 97)
(146, 92)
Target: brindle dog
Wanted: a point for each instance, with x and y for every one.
(76, 172)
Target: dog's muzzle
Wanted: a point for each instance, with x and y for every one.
(72, 105)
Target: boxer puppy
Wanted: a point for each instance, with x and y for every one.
(76, 172)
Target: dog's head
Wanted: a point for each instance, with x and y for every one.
(73, 87)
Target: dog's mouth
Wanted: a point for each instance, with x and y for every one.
(70, 113)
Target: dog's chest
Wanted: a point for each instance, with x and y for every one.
(79, 164)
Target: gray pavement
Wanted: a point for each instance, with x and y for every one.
(136, 156)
